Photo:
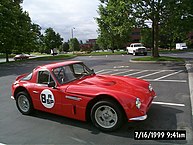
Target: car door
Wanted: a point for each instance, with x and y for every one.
(46, 98)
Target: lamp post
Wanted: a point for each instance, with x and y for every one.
(72, 40)
(72, 31)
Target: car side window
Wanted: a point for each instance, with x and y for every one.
(44, 77)
(28, 77)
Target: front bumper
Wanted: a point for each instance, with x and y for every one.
(139, 118)
(135, 114)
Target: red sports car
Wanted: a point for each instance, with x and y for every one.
(73, 90)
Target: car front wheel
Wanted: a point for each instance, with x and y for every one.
(24, 103)
(107, 115)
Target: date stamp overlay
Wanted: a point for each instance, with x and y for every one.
(160, 135)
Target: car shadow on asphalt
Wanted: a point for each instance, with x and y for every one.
(159, 118)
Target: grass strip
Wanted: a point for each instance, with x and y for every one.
(161, 58)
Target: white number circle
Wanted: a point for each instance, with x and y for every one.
(47, 98)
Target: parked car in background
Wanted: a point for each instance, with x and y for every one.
(73, 90)
(181, 46)
(54, 51)
(21, 57)
(136, 48)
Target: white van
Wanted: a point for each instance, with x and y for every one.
(181, 46)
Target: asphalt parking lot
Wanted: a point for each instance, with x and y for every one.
(171, 110)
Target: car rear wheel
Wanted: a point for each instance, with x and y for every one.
(24, 103)
(107, 115)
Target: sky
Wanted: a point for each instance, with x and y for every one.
(64, 15)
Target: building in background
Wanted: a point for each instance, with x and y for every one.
(135, 35)
(190, 36)
(90, 43)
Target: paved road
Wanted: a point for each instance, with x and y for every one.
(31, 57)
(171, 109)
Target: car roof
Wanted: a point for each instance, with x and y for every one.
(57, 64)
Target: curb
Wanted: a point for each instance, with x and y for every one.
(189, 68)
(156, 62)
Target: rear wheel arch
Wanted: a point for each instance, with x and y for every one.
(20, 89)
(23, 98)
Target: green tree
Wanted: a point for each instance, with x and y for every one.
(52, 39)
(41, 44)
(114, 23)
(74, 44)
(96, 47)
(23, 42)
(17, 33)
(146, 37)
(163, 13)
(66, 46)
(9, 11)
(36, 37)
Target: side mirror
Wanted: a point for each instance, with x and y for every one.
(93, 71)
(51, 84)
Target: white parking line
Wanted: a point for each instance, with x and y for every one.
(170, 104)
(177, 81)
(136, 73)
(168, 75)
(121, 66)
(106, 72)
(121, 72)
(151, 74)
(99, 71)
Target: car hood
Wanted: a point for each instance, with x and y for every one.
(105, 83)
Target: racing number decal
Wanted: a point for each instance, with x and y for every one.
(47, 98)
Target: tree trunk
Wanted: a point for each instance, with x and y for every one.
(113, 44)
(156, 32)
(7, 55)
(152, 51)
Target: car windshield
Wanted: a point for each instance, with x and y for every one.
(68, 73)
(138, 45)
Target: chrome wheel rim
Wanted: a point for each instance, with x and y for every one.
(106, 116)
(23, 103)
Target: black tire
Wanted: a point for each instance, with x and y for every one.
(107, 109)
(24, 103)
(145, 53)
(134, 53)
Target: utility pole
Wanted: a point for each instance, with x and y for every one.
(72, 31)
(72, 40)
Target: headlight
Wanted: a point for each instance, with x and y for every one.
(150, 88)
(138, 103)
